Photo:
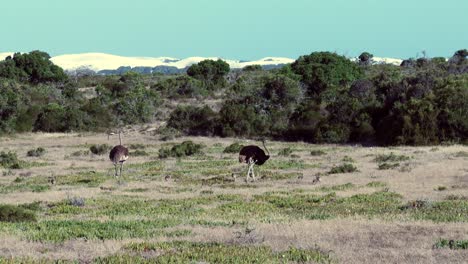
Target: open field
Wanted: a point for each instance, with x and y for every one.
(395, 205)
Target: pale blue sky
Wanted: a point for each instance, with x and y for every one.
(240, 29)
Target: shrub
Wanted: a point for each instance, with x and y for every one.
(321, 70)
(76, 201)
(99, 149)
(233, 148)
(197, 121)
(388, 166)
(186, 148)
(390, 158)
(345, 168)
(452, 244)
(317, 152)
(10, 160)
(36, 152)
(11, 213)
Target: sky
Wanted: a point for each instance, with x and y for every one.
(235, 29)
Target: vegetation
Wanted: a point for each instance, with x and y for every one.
(36, 152)
(322, 97)
(10, 160)
(186, 148)
(233, 148)
(345, 168)
(452, 244)
(11, 213)
(99, 149)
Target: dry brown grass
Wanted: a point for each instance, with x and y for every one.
(351, 240)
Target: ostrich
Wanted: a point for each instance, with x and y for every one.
(118, 154)
(253, 155)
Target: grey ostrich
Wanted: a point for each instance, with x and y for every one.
(253, 155)
(118, 155)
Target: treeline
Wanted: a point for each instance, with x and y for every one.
(322, 97)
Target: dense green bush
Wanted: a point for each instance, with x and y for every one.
(198, 121)
(321, 70)
(34, 67)
(186, 148)
(321, 97)
(181, 87)
(210, 72)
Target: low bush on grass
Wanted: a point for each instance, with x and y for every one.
(36, 152)
(388, 166)
(452, 244)
(317, 152)
(344, 168)
(12, 213)
(10, 160)
(390, 158)
(233, 148)
(99, 149)
(186, 148)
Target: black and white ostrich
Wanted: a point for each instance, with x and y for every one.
(253, 155)
(118, 154)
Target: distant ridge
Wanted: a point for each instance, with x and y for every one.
(103, 63)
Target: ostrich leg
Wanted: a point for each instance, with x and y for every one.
(253, 173)
(251, 164)
(120, 176)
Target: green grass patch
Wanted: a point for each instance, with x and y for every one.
(348, 159)
(452, 244)
(461, 154)
(12, 213)
(211, 252)
(388, 166)
(286, 152)
(62, 230)
(138, 153)
(392, 157)
(317, 152)
(376, 184)
(341, 187)
(287, 165)
(441, 211)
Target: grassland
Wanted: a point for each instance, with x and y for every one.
(372, 205)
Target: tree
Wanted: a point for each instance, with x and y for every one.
(321, 70)
(365, 58)
(210, 72)
(197, 121)
(34, 67)
(254, 67)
